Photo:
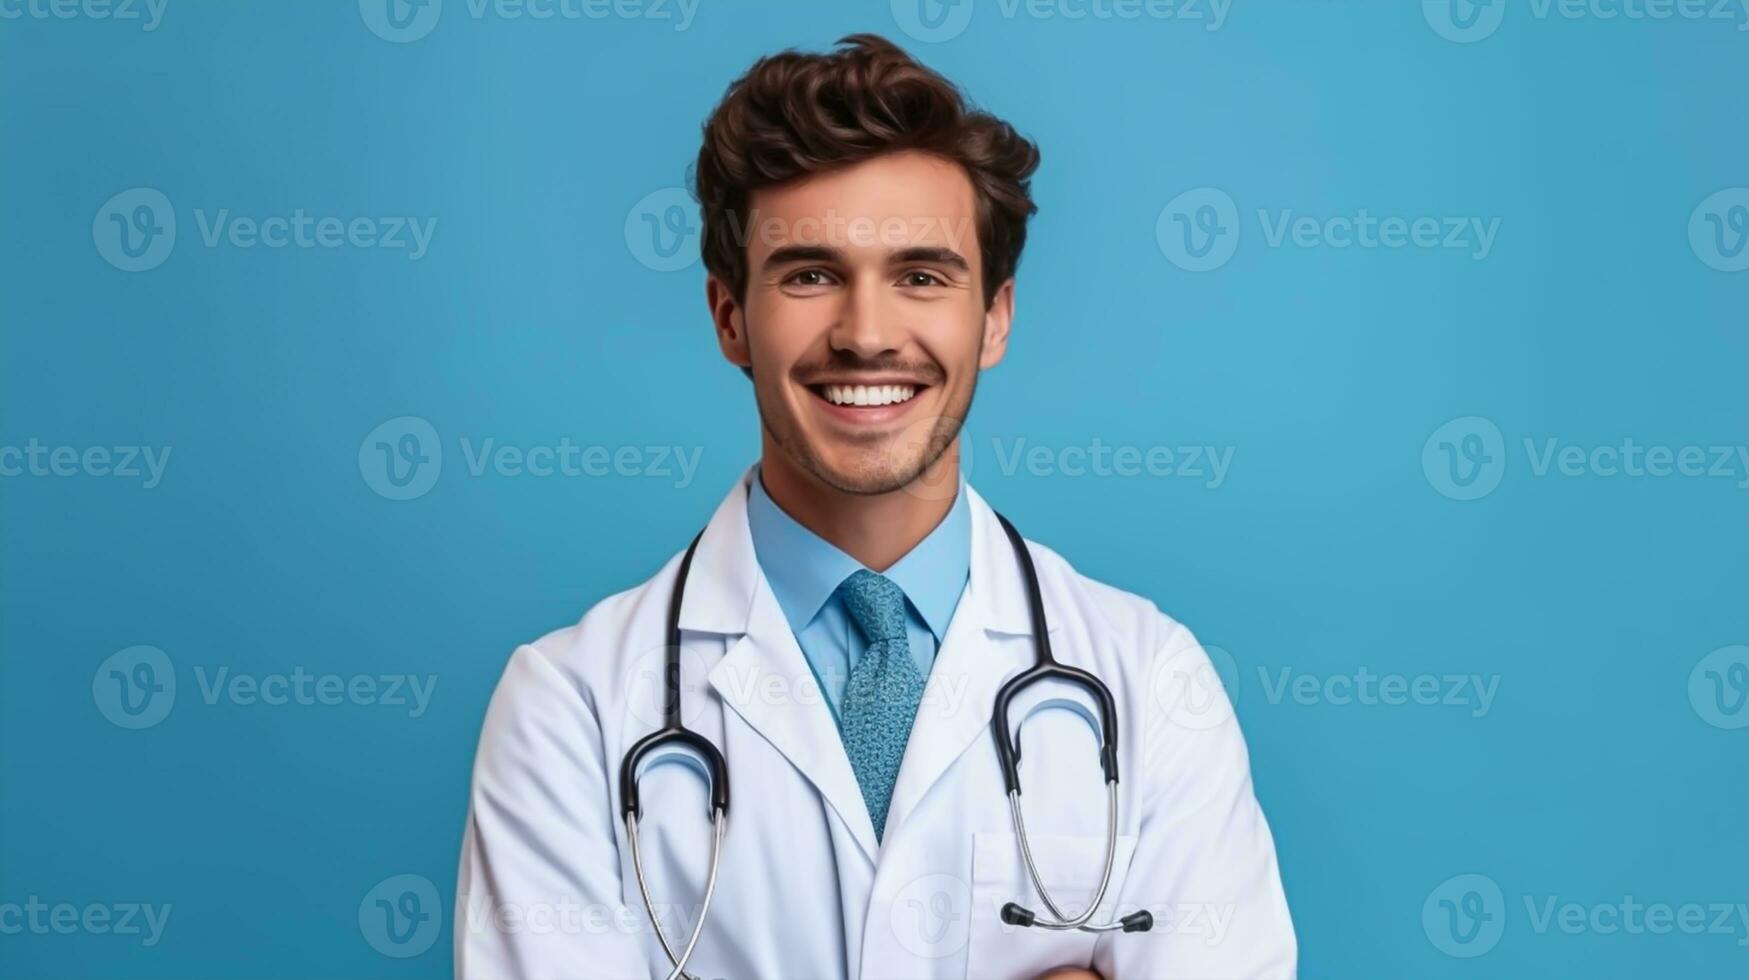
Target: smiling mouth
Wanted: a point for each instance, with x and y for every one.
(866, 396)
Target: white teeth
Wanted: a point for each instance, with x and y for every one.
(869, 394)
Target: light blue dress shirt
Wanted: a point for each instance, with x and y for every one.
(805, 571)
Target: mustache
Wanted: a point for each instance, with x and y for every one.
(925, 372)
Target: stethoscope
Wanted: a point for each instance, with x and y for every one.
(674, 742)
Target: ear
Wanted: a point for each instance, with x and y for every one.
(730, 322)
(997, 321)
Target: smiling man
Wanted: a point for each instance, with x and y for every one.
(862, 229)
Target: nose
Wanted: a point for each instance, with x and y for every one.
(868, 325)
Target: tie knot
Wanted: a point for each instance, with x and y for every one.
(876, 603)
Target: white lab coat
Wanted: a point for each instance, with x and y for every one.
(546, 888)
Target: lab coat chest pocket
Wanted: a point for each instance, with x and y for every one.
(1070, 866)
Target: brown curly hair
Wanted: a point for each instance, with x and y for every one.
(794, 114)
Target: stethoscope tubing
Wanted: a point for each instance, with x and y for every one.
(719, 824)
(1045, 667)
(1064, 922)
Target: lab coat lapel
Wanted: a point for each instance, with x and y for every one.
(988, 641)
(764, 677)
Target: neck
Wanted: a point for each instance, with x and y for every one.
(877, 529)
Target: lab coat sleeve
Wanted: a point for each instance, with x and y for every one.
(538, 891)
(1205, 862)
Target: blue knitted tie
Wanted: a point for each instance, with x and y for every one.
(882, 692)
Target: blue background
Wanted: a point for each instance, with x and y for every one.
(1329, 548)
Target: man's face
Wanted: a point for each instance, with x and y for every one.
(864, 321)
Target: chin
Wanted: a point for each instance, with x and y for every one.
(868, 477)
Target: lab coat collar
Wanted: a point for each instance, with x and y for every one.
(726, 574)
(727, 593)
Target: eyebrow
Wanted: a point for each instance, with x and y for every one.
(802, 253)
(935, 254)
(822, 253)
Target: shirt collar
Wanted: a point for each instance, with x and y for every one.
(804, 569)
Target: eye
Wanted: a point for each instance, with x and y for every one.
(809, 278)
(921, 277)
